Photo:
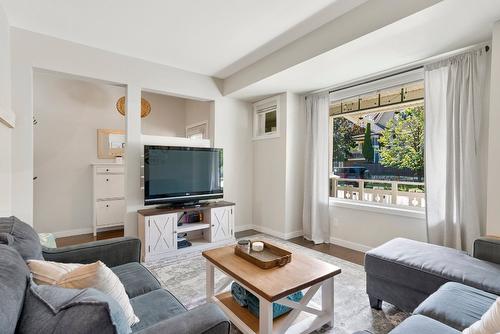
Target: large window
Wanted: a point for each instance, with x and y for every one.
(377, 147)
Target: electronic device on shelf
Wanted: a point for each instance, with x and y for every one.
(182, 175)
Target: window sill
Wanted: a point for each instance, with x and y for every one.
(418, 213)
(267, 136)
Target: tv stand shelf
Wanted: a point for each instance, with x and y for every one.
(158, 229)
(188, 227)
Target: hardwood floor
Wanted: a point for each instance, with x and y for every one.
(83, 238)
(334, 250)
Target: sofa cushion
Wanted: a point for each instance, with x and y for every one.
(136, 279)
(51, 309)
(14, 276)
(456, 305)
(154, 307)
(26, 241)
(425, 267)
(418, 324)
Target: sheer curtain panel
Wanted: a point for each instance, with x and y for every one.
(316, 222)
(453, 116)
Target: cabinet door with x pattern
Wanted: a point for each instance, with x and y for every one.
(161, 234)
(221, 220)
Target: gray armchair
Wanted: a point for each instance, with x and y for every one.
(158, 309)
(487, 249)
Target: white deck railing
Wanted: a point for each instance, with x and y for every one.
(379, 191)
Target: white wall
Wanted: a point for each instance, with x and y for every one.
(68, 114)
(269, 174)
(279, 173)
(493, 181)
(231, 118)
(167, 117)
(363, 228)
(197, 112)
(233, 133)
(295, 151)
(5, 111)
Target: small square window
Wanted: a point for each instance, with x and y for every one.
(266, 119)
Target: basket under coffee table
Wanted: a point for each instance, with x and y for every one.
(273, 285)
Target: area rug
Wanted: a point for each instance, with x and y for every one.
(184, 276)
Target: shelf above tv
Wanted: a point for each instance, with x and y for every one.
(188, 227)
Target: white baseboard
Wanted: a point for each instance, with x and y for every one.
(350, 244)
(269, 231)
(294, 234)
(244, 228)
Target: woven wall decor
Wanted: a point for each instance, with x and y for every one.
(145, 106)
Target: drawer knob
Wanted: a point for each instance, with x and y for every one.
(107, 180)
(107, 205)
(107, 170)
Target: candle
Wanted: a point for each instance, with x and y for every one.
(257, 246)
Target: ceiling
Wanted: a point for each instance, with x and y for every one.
(221, 38)
(216, 37)
(444, 27)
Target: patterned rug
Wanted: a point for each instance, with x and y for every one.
(185, 277)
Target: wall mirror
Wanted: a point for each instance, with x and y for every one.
(110, 143)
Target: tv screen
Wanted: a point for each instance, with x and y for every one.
(182, 174)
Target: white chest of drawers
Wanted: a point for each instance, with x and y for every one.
(108, 195)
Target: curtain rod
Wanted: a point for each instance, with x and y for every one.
(416, 65)
(376, 79)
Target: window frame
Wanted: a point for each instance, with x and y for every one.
(387, 208)
(257, 107)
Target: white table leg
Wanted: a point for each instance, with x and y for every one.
(327, 299)
(210, 281)
(265, 316)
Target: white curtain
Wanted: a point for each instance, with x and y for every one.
(316, 222)
(453, 115)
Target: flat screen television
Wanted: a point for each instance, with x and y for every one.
(182, 174)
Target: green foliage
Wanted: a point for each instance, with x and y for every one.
(402, 141)
(343, 142)
(368, 152)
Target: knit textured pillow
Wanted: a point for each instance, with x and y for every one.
(80, 276)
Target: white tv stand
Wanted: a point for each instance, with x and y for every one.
(158, 229)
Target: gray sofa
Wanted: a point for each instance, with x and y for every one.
(447, 290)
(158, 310)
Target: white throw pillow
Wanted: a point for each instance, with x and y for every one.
(489, 323)
(80, 276)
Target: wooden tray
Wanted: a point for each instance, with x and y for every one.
(272, 256)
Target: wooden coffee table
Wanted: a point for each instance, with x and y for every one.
(273, 285)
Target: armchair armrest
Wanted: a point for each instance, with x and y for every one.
(204, 319)
(487, 249)
(113, 252)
